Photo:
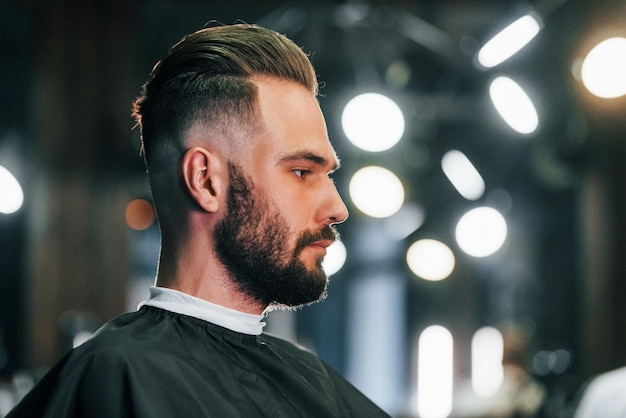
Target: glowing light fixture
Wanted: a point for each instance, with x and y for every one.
(373, 122)
(513, 105)
(481, 231)
(463, 175)
(335, 258)
(487, 371)
(434, 373)
(376, 191)
(430, 259)
(603, 71)
(11, 194)
(509, 41)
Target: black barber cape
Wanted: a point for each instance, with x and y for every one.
(155, 363)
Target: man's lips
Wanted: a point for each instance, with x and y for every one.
(323, 244)
(318, 241)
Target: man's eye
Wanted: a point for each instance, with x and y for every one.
(300, 172)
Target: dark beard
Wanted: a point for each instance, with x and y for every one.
(252, 243)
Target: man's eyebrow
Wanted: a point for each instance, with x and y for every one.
(317, 159)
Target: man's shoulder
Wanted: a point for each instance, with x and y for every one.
(127, 335)
(125, 326)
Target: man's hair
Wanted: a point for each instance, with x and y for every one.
(206, 77)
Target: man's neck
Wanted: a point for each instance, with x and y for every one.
(215, 286)
(182, 303)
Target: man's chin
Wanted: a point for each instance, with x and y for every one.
(276, 306)
(309, 288)
(312, 262)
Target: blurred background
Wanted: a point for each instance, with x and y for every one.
(482, 271)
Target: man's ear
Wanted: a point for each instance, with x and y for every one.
(202, 171)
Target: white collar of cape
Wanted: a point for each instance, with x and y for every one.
(182, 303)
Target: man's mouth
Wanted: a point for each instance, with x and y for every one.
(321, 240)
(324, 244)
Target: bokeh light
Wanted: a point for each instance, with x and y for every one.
(435, 372)
(603, 70)
(139, 214)
(11, 194)
(514, 105)
(373, 122)
(335, 258)
(487, 352)
(481, 231)
(430, 259)
(463, 175)
(508, 41)
(376, 191)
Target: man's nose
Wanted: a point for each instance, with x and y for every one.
(337, 210)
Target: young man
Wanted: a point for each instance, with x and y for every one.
(238, 160)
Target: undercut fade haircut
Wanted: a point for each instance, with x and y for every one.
(206, 77)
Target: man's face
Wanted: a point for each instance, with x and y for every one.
(252, 243)
(281, 202)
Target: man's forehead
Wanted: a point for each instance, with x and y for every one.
(293, 124)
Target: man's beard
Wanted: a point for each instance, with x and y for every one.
(252, 242)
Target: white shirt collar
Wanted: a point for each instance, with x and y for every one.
(182, 303)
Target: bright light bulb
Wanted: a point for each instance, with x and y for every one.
(463, 175)
(373, 122)
(435, 372)
(603, 70)
(430, 259)
(376, 191)
(508, 41)
(11, 194)
(487, 370)
(335, 258)
(481, 231)
(514, 105)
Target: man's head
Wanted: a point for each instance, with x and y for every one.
(206, 78)
(233, 136)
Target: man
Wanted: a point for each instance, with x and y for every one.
(238, 160)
